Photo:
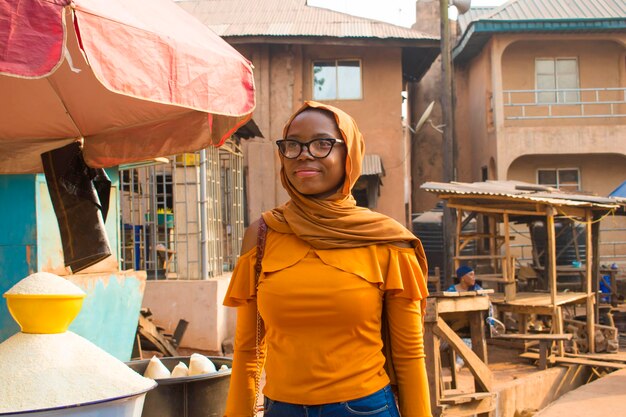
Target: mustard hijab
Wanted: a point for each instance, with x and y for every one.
(336, 222)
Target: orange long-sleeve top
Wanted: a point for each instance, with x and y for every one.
(322, 313)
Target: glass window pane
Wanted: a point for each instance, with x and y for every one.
(566, 66)
(544, 66)
(324, 80)
(349, 79)
(546, 177)
(567, 81)
(546, 82)
(567, 78)
(568, 176)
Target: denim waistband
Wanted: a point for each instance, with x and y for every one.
(379, 404)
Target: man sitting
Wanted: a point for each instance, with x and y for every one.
(467, 280)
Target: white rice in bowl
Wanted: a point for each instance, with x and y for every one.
(45, 283)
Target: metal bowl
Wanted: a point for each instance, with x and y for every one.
(189, 396)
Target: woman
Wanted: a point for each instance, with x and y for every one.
(327, 267)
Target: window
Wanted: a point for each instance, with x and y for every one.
(337, 80)
(559, 77)
(561, 178)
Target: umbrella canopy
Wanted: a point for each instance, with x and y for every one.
(131, 79)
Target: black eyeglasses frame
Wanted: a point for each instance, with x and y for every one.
(306, 145)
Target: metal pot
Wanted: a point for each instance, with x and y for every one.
(190, 396)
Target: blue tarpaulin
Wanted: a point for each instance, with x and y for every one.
(619, 191)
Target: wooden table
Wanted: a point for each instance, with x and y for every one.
(545, 343)
(526, 304)
(448, 306)
(581, 270)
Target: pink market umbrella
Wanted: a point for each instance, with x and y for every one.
(131, 79)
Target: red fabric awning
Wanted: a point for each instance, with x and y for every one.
(132, 79)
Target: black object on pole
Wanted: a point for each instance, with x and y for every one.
(80, 198)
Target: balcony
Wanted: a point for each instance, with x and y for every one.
(580, 103)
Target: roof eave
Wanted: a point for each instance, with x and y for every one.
(332, 40)
(479, 32)
(417, 54)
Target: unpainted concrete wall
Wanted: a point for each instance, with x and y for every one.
(284, 75)
(537, 390)
(197, 301)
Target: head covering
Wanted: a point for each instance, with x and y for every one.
(463, 270)
(336, 222)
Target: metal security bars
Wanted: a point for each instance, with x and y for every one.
(183, 219)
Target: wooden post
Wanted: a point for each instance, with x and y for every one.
(508, 267)
(459, 229)
(593, 313)
(557, 318)
(493, 232)
(431, 349)
(557, 327)
(551, 248)
(477, 332)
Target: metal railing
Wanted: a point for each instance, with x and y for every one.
(574, 103)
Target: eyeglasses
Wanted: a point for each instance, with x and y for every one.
(317, 148)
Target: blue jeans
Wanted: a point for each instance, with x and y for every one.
(379, 404)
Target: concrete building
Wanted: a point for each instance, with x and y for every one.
(540, 93)
(360, 65)
(540, 97)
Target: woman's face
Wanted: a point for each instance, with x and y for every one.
(314, 177)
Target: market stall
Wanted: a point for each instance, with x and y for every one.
(499, 204)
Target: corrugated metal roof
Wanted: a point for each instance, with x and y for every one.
(230, 18)
(474, 13)
(559, 9)
(539, 16)
(372, 165)
(517, 190)
(542, 10)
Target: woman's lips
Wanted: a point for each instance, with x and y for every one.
(305, 173)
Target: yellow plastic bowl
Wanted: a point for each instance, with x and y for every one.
(44, 313)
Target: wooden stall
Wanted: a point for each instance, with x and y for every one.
(442, 309)
(499, 203)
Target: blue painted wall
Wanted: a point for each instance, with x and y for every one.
(18, 239)
(110, 311)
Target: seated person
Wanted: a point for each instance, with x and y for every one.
(467, 280)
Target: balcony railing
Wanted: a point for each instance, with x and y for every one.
(562, 103)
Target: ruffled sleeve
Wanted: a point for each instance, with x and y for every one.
(242, 287)
(406, 273)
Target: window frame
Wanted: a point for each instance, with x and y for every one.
(337, 82)
(557, 96)
(557, 171)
